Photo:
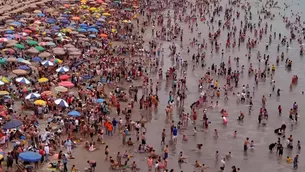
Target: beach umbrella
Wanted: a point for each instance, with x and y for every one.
(64, 77)
(19, 72)
(106, 14)
(92, 36)
(29, 156)
(47, 93)
(41, 15)
(104, 35)
(62, 69)
(40, 102)
(39, 48)
(100, 100)
(44, 55)
(4, 79)
(47, 39)
(8, 50)
(74, 113)
(59, 52)
(66, 84)
(69, 46)
(37, 11)
(12, 124)
(2, 61)
(92, 30)
(36, 59)
(23, 80)
(81, 30)
(32, 96)
(32, 50)
(26, 62)
(61, 102)
(31, 42)
(15, 23)
(47, 63)
(3, 39)
(61, 89)
(2, 93)
(11, 59)
(76, 53)
(19, 46)
(51, 21)
(101, 19)
(42, 80)
(24, 67)
(75, 18)
(9, 31)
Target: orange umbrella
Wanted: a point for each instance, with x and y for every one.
(75, 18)
(46, 93)
(104, 35)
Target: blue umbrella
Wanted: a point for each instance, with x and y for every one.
(99, 23)
(36, 59)
(87, 77)
(64, 15)
(64, 21)
(82, 30)
(92, 36)
(41, 15)
(29, 156)
(24, 67)
(9, 31)
(92, 30)
(100, 100)
(12, 124)
(16, 23)
(55, 28)
(74, 113)
(83, 25)
(51, 20)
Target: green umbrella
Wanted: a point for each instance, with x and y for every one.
(19, 46)
(39, 48)
(2, 61)
(31, 42)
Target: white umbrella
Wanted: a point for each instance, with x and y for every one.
(2, 83)
(62, 69)
(32, 96)
(47, 63)
(61, 102)
(23, 80)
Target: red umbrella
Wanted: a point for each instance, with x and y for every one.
(64, 77)
(66, 84)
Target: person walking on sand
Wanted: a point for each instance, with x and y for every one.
(106, 153)
(295, 162)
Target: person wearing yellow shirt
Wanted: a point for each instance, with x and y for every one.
(216, 84)
(289, 160)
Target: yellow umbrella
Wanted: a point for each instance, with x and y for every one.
(4, 93)
(106, 14)
(37, 11)
(126, 21)
(1, 156)
(40, 102)
(92, 9)
(61, 89)
(4, 79)
(41, 80)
